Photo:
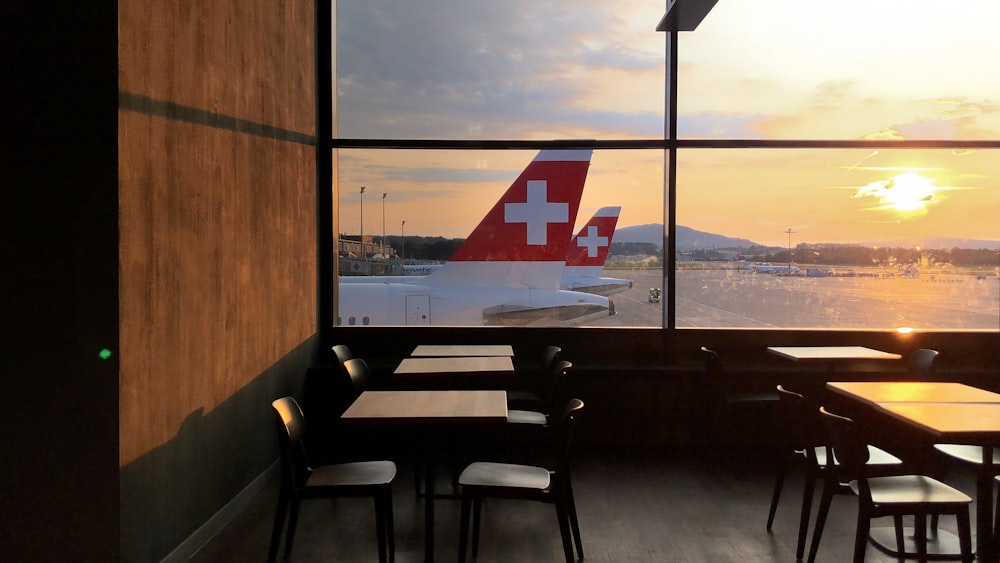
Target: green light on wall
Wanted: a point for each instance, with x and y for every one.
(104, 354)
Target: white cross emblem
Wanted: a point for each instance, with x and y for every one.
(537, 212)
(592, 241)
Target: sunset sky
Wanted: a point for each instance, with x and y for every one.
(754, 69)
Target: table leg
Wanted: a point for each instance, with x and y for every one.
(428, 511)
(984, 508)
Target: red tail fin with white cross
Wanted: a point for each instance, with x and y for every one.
(524, 239)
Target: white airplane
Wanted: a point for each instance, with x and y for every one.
(588, 251)
(507, 272)
(784, 269)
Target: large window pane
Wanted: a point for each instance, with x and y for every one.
(871, 239)
(419, 205)
(519, 69)
(852, 69)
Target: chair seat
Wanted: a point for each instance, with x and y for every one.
(968, 454)
(489, 474)
(911, 489)
(876, 456)
(353, 474)
(526, 417)
(524, 400)
(737, 398)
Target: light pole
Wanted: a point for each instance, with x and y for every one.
(383, 220)
(402, 239)
(789, 232)
(362, 221)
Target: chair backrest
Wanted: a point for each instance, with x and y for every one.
(549, 358)
(713, 363)
(921, 363)
(564, 436)
(555, 384)
(797, 424)
(291, 427)
(359, 375)
(715, 374)
(342, 353)
(849, 447)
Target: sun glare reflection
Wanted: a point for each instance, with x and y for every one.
(907, 194)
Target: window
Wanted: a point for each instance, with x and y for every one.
(854, 145)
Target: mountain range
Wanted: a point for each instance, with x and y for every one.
(691, 239)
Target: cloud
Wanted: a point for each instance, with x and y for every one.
(458, 69)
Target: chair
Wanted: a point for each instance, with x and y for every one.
(555, 382)
(803, 436)
(533, 399)
(300, 481)
(896, 496)
(482, 480)
(342, 353)
(921, 364)
(359, 376)
(721, 399)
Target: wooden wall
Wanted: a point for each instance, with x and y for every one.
(218, 251)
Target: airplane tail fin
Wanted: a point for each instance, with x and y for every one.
(524, 239)
(590, 246)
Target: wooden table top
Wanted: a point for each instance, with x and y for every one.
(452, 407)
(463, 350)
(831, 353)
(965, 423)
(485, 365)
(878, 392)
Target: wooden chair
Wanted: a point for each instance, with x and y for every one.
(802, 436)
(555, 382)
(482, 480)
(533, 398)
(921, 363)
(342, 353)
(723, 400)
(301, 481)
(358, 375)
(896, 496)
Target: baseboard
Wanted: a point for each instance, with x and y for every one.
(223, 517)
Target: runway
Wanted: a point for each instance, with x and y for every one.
(735, 298)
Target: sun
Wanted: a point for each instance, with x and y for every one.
(907, 194)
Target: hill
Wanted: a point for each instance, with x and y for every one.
(687, 238)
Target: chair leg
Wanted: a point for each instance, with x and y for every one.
(897, 524)
(824, 507)
(463, 528)
(293, 519)
(861, 534)
(965, 534)
(564, 532)
(779, 483)
(380, 528)
(808, 488)
(390, 526)
(477, 514)
(574, 522)
(279, 524)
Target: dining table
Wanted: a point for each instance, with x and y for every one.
(468, 350)
(430, 421)
(831, 356)
(936, 412)
(453, 372)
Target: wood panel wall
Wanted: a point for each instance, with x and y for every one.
(217, 257)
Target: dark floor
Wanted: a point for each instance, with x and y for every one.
(676, 506)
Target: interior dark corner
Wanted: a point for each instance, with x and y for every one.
(174, 202)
